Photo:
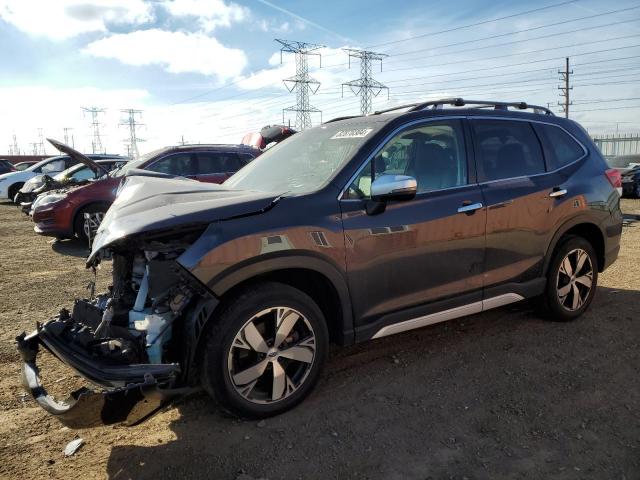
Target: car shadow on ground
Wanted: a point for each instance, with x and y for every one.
(71, 248)
(480, 397)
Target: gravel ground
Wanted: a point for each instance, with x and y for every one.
(502, 394)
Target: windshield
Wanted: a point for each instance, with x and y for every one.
(37, 166)
(68, 172)
(122, 171)
(305, 161)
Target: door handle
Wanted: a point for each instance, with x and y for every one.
(470, 208)
(558, 192)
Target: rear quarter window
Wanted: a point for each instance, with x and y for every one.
(560, 148)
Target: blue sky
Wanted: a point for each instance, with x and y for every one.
(210, 69)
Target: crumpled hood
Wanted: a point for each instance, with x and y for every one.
(148, 204)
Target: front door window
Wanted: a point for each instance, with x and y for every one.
(433, 154)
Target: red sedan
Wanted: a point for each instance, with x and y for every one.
(61, 214)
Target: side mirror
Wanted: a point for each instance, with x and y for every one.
(393, 187)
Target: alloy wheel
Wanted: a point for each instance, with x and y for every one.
(91, 223)
(575, 279)
(272, 355)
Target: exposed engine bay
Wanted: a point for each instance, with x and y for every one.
(129, 341)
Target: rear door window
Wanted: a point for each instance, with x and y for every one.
(506, 149)
(181, 164)
(218, 162)
(560, 148)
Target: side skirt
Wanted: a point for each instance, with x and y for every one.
(457, 312)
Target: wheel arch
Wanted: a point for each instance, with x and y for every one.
(314, 276)
(82, 207)
(581, 227)
(14, 188)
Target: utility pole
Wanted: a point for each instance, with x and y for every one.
(365, 86)
(302, 83)
(132, 141)
(564, 77)
(67, 137)
(96, 143)
(182, 140)
(34, 147)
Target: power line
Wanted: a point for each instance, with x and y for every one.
(366, 86)
(519, 54)
(513, 42)
(302, 83)
(607, 108)
(476, 24)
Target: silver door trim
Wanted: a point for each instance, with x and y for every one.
(470, 208)
(558, 193)
(451, 314)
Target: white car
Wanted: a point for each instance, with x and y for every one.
(12, 182)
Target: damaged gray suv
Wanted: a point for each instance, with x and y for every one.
(357, 229)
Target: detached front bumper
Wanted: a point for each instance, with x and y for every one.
(126, 393)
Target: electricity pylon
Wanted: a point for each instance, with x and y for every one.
(302, 83)
(96, 142)
(130, 121)
(366, 86)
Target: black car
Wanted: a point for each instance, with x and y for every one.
(629, 168)
(6, 166)
(631, 182)
(354, 230)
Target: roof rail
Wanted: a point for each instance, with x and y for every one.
(346, 117)
(460, 102)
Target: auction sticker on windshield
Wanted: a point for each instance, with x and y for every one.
(356, 133)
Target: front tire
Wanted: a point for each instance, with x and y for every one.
(264, 352)
(14, 190)
(82, 227)
(571, 280)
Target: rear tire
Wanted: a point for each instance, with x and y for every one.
(572, 280)
(264, 351)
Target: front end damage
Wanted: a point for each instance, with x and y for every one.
(135, 344)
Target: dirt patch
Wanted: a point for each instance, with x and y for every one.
(496, 395)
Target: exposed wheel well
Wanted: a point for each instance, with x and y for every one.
(314, 284)
(593, 235)
(13, 189)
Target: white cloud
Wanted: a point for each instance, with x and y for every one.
(210, 13)
(61, 19)
(176, 52)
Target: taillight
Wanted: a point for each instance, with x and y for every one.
(615, 179)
